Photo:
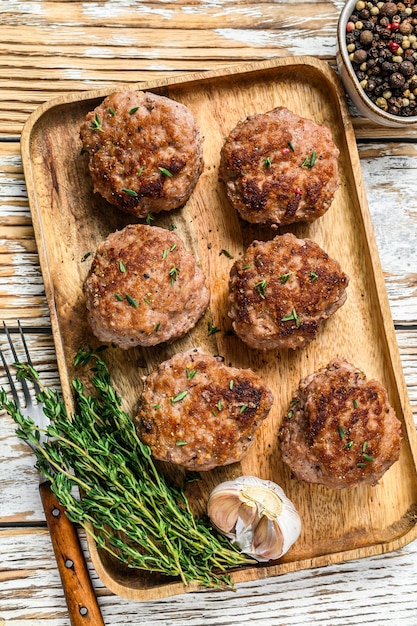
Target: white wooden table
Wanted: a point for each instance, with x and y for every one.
(55, 47)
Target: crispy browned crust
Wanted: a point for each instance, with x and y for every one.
(280, 168)
(214, 423)
(282, 290)
(144, 287)
(340, 429)
(142, 136)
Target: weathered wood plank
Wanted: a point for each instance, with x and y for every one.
(354, 593)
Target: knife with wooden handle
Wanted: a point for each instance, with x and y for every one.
(79, 592)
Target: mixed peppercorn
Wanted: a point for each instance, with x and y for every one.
(381, 39)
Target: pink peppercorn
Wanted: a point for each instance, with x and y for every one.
(298, 191)
(285, 151)
(393, 27)
(350, 26)
(393, 46)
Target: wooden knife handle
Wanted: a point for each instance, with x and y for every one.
(79, 592)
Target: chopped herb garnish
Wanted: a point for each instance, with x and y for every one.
(164, 253)
(140, 172)
(341, 432)
(290, 413)
(246, 267)
(261, 288)
(130, 192)
(284, 277)
(309, 161)
(313, 276)
(190, 373)
(226, 253)
(349, 445)
(96, 123)
(145, 299)
(231, 384)
(149, 218)
(219, 405)
(133, 110)
(131, 301)
(172, 248)
(157, 406)
(212, 330)
(267, 162)
(122, 267)
(165, 172)
(157, 326)
(179, 397)
(243, 408)
(293, 316)
(367, 457)
(172, 227)
(355, 404)
(85, 257)
(291, 147)
(173, 272)
(213, 412)
(181, 443)
(112, 112)
(118, 297)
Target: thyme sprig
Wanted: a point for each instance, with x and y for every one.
(135, 514)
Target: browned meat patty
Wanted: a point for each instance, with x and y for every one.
(340, 429)
(143, 288)
(197, 412)
(281, 291)
(279, 168)
(145, 151)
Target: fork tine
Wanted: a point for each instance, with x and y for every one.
(9, 378)
(23, 382)
(22, 336)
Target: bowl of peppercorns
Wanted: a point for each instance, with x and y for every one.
(377, 59)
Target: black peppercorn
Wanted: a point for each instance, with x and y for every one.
(406, 68)
(396, 80)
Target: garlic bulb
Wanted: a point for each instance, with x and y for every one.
(256, 515)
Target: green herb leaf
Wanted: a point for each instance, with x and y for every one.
(261, 288)
(313, 276)
(173, 273)
(85, 257)
(212, 330)
(96, 123)
(133, 110)
(122, 267)
(131, 301)
(112, 112)
(226, 253)
(130, 192)
(181, 443)
(165, 172)
(179, 397)
(284, 277)
(291, 317)
(267, 162)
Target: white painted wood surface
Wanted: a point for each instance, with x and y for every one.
(47, 48)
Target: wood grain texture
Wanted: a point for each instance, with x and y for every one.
(94, 45)
(70, 220)
(52, 48)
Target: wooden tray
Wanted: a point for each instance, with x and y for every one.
(69, 221)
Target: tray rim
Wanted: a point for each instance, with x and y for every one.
(386, 317)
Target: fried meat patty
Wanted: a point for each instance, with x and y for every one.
(281, 291)
(145, 151)
(198, 413)
(279, 168)
(340, 429)
(143, 288)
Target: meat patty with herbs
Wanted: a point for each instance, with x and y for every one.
(279, 168)
(199, 413)
(144, 288)
(281, 291)
(340, 429)
(144, 151)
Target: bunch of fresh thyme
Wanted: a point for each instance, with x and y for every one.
(136, 515)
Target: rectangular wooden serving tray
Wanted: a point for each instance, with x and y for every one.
(69, 221)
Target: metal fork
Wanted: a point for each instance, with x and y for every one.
(79, 593)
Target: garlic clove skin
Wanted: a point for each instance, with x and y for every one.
(256, 515)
